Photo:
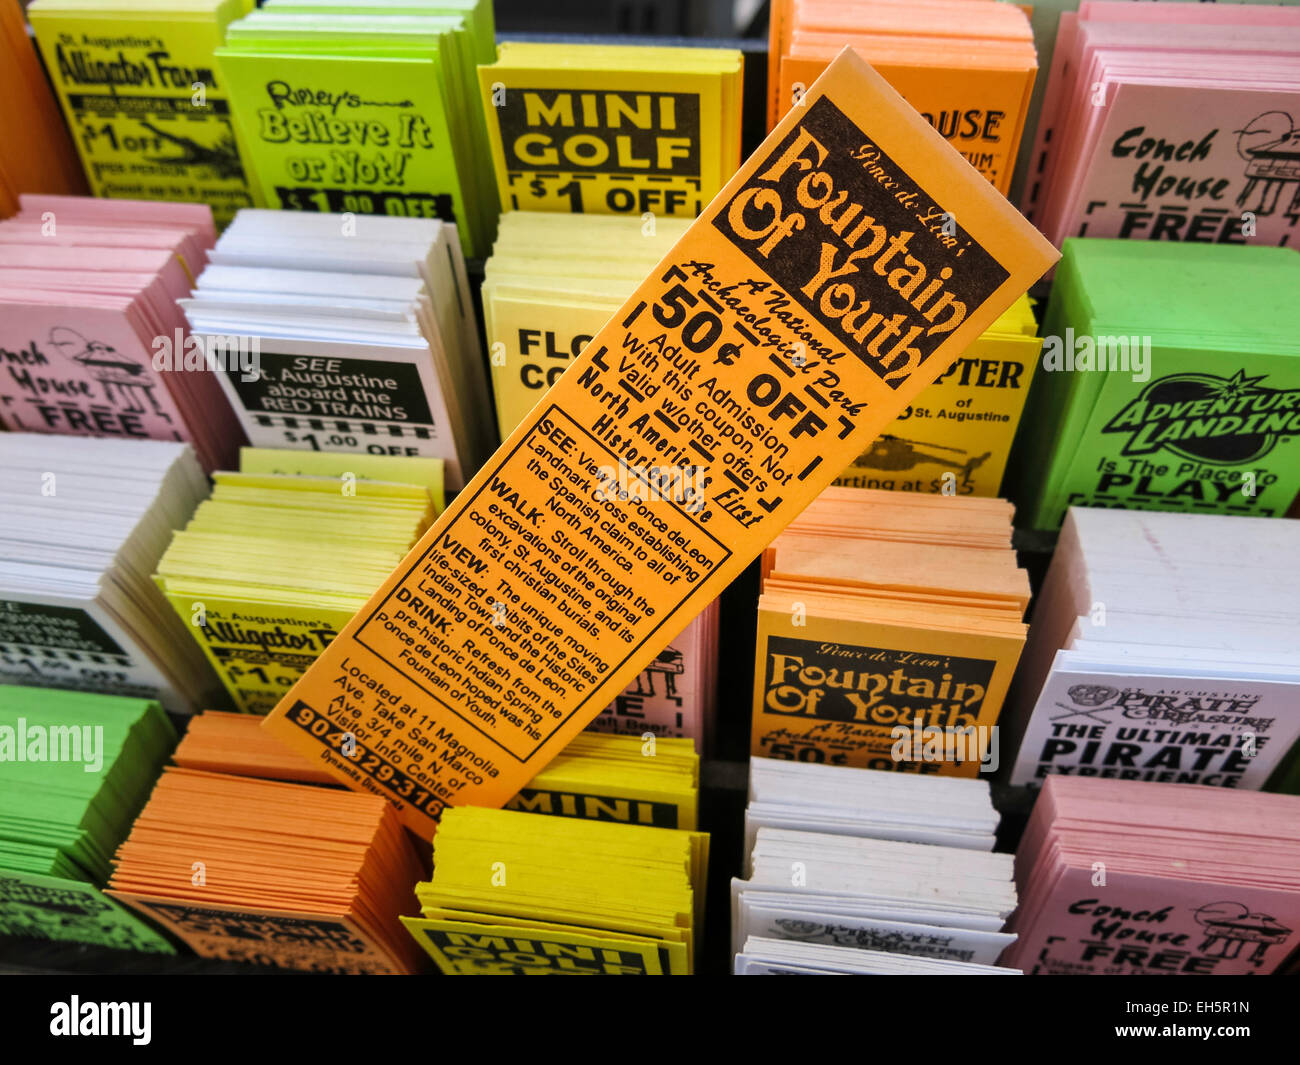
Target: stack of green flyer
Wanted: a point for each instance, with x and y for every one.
(1170, 381)
(75, 770)
(367, 108)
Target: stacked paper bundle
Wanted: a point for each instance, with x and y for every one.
(74, 771)
(1169, 382)
(36, 154)
(273, 565)
(91, 338)
(85, 524)
(1162, 649)
(842, 801)
(619, 778)
(269, 873)
(612, 129)
(676, 694)
(236, 744)
(955, 439)
(552, 281)
(363, 334)
(1125, 878)
(404, 469)
(889, 626)
(368, 107)
(515, 894)
(1170, 122)
(147, 108)
(602, 778)
(825, 903)
(967, 66)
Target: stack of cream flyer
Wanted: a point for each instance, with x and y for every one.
(814, 797)
(364, 333)
(85, 522)
(861, 871)
(1162, 649)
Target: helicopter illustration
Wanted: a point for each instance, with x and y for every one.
(897, 453)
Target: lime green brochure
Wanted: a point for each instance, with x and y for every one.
(369, 116)
(48, 907)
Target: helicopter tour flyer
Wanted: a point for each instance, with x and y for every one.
(956, 437)
(145, 103)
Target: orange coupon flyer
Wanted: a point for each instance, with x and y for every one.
(845, 266)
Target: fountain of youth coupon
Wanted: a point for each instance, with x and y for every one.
(845, 266)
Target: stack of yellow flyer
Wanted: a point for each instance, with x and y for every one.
(612, 129)
(404, 469)
(650, 781)
(955, 439)
(514, 894)
(148, 110)
(552, 281)
(366, 107)
(889, 626)
(273, 565)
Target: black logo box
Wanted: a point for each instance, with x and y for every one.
(975, 273)
(641, 143)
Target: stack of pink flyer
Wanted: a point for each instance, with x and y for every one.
(1171, 122)
(674, 695)
(92, 342)
(1128, 878)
